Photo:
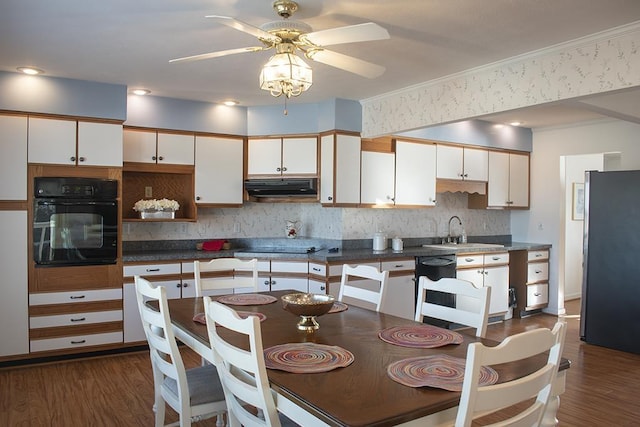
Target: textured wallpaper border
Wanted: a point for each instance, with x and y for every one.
(599, 63)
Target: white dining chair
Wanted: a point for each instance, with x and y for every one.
(474, 312)
(250, 401)
(243, 275)
(477, 401)
(195, 394)
(352, 285)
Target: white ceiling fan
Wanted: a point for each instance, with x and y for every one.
(287, 36)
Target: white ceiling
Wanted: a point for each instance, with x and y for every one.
(130, 42)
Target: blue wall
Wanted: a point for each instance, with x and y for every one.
(67, 97)
(51, 95)
(478, 132)
(180, 114)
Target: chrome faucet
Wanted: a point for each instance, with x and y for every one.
(449, 237)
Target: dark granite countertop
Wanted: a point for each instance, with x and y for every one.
(181, 254)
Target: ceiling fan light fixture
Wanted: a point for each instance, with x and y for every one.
(286, 74)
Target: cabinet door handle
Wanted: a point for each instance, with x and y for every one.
(284, 169)
(322, 288)
(178, 285)
(72, 158)
(197, 197)
(266, 283)
(79, 342)
(150, 270)
(81, 159)
(185, 285)
(82, 319)
(279, 169)
(154, 158)
(77, 296)
(160, 158)
(330, 198)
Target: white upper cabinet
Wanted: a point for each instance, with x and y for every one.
(99, 144)
(508, 180)
(377, 178)
(149, 146)
(462, 163)
(139, 146)
(283, 156)
(415, 174)
(340, 170)
(13, 162)
(327, 150)
(175, 149)
(54, 141)
(218, 170)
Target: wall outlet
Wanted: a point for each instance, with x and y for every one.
(148, 192)
(236, 227)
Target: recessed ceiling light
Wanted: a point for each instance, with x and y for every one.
(32, 71)
(230, 103)
(498, 125)
(141, 92)
(516, 123)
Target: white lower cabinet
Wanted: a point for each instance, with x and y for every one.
(14, 309)
(167, 275)
(280, 275)
(68, 320)
(491, 269)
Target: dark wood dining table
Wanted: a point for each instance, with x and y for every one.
(361, 394)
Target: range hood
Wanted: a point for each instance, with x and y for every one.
(282, 187)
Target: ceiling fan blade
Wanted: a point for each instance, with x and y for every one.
(244, 27)
(218, 54)
(349, 34)
(347, 63)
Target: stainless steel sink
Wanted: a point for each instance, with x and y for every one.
(464, 245)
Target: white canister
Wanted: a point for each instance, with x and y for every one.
(397, 244)
(379, 241)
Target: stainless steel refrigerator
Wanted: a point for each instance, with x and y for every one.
(610, 314)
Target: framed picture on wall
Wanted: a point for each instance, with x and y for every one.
(577, 213)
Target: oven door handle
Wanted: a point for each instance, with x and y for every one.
(75, 203)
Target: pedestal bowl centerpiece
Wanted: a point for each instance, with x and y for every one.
(308, 307)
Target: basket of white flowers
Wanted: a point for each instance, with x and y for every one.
(156, 209)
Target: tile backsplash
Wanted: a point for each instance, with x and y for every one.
(268, 220)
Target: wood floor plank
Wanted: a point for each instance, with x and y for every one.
(603, 385)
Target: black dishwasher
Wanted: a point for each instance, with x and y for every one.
(436, 267)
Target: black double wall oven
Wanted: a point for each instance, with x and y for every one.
(75, 221)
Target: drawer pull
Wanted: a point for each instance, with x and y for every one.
(398, 266)
(538, 255)
(82, 319)
(79, 342)
(468, 259)
(315, 269)
(537, 294)
(150, 270)
(76, 296)
(496, 258)
(538, 271)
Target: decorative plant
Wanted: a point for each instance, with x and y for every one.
(156, 205)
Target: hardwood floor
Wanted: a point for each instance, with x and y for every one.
(603, 385)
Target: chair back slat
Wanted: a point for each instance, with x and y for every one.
(235, 274)
(243, 372)
(472, 304)
(479, 400)
(352, 274)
